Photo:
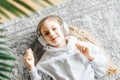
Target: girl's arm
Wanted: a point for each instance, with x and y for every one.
(39, 75)
(100, 62)
(34, 73)
(96, 57)
(29, 60)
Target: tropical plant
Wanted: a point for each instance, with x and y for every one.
(7, 5)
(5, 68)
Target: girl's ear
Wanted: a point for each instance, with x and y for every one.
(65, 28)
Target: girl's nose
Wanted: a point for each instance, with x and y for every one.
(52, 33)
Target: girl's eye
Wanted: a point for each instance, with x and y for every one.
(47, 33)
(54, 29)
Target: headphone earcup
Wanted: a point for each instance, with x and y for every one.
(65, 28)
(42, 40)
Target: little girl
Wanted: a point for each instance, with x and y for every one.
(66, 57)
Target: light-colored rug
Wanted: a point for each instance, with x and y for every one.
(101, 18)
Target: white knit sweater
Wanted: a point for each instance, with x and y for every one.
(68, 63)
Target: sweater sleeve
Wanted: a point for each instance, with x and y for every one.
(34, 74)
(38, 75)
(100, 62)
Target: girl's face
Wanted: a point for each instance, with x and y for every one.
(51, 31)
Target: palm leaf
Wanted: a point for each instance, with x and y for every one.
(5, 65)
(25, 5)
(5, 68)
(38, 3)
(4, 76)
(5, 49)
(3, 13)
(2, 30)
(6, 57)
(3, 43)
(1, 36)
(5, 4)
(11, 8)
(47, 1)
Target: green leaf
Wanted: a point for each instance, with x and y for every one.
(6, 57)
(5, 65)
(12, 8)
(8, 6)
(18, 11)
(3, 43)
(25, 5)
(47, 1)
(38, 3)
(4, 76)
(2, 36)
(4, 14)
(5, 49)
(5, 70)
(2, 30)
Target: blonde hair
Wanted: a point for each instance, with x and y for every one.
(85, 36)
(81, 34)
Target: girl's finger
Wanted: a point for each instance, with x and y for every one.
(83, 48)
(29, 57)
(79, 47)
(28, 52)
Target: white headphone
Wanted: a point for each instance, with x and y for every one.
(64, 27)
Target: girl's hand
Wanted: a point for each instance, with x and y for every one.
(85, 51)
(29, 58)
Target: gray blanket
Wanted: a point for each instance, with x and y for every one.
(101, 18)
